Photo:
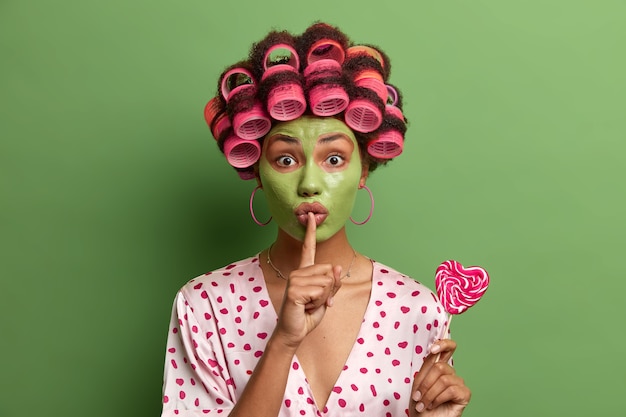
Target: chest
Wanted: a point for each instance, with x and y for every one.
(373, 371)
(323, 354)
(325, 351)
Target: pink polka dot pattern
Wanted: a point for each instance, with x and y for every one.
(221, 322)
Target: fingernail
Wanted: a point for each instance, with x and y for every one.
(419, 407)
(417, 395)
(331, 301)
(435, 349)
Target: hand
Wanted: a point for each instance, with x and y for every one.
(310, 290)
(437, 390)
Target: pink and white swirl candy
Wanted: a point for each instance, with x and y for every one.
(458, 287)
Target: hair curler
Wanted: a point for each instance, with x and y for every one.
(393, 97)
(390, 141)
(216, 117)
(357, 50)
(372, 80)
(365, 111)
(387, 145)
(323, 75)
(325, 49)
(327, 95)
(285, 101)
(241, 153)
(211, 110)
(367, 105)
(220, 125)
(251, 122)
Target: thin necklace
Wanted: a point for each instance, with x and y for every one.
(280, 274)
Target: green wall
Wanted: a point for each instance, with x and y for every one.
(113, 194)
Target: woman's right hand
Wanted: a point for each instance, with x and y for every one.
(310, 290)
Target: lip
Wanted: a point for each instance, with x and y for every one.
(303, 210)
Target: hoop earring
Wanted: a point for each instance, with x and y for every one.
(252, 209)
(369, 216)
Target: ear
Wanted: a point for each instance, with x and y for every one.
(364, 173)
(257, 175)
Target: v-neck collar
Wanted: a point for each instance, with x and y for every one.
(348, 367)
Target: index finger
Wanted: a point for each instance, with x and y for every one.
(446, 348)
(308, 244)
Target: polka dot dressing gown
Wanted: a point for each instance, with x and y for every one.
(221, 322)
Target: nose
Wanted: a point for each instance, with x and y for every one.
(310, 181)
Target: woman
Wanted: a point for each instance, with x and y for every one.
(309, 326)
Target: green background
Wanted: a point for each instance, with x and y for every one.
(113, 193)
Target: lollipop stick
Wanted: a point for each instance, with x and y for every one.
(459, 288)
(446, 329)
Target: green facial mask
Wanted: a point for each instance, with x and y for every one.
(310, 160)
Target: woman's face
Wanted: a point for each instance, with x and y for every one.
(311, 164)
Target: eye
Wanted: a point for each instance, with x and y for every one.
(285, 161)
(335, 160)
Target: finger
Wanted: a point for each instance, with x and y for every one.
(308, 244)
(456, 391)
(428, 363)
(311, 292)
(336, 285)
(440, 352)
(443, 349)
(419, 382)
(440, 376)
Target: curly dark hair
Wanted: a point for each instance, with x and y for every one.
(321, 73)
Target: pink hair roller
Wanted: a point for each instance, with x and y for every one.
(365, 50)
(363, 116)
(392, 95)
(374, 84)
(387, 145)
(325, 99)
(321, 69)
(325, 49)
(328, 101)
(235, 81)
(241, 153)
(216, 118)
(220, 125)
(392, 110)
(286, 101)
(211, 110)
(292, 64)
(254, 122)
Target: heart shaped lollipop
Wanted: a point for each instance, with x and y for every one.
(458, 287)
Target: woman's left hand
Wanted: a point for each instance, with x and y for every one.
(437, 390)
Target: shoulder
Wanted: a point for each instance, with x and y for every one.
(228, 279)
(384, 275)
(405, 300)
(397, 285)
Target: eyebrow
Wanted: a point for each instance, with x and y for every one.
(287, 139)
(332, 138)
(293, 141)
